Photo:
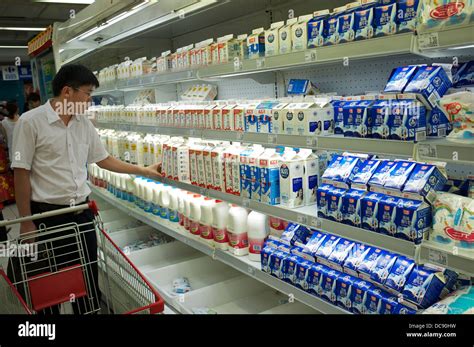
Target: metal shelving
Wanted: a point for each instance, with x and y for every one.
(242, 264)
(448, 256)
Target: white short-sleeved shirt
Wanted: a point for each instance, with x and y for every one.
(56, 154)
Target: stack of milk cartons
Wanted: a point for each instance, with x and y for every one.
(309, 116)
(269, 164)
(248, 167)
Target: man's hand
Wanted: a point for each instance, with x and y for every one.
(25, 228)
(152, 171)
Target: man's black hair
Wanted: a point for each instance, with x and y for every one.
(75, 76)
(12, 109)
(33, 97)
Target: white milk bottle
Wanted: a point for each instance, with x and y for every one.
(141, 194)
(173, 205)
(205, 224)
(187, 209)
(220, 212)
(165, 201)
(257, 229)
(123, 186)
(195, 214)
(130, 189)
(237, 230)
(181, 197)
(156, 207)
(149, 188)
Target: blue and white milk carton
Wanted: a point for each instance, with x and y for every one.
(340, 172)
(313, 245)
(346, 23)
(334, 212)
(245, 182)
(327, 285)
(275, 263)
(331, 27)
(334, 166)
(323, 116)
(379, 113)
(359, 291)
(413, 218)
(340, 253)
(292, 180)
(338, 106)
(294, 233)
(425, 180)
(381, 173)
(407, 15)
(326, 248)
(399, 274)
(269, 163)
(313, 279)
(322, 199)
(372, 301)
(386, 214)
(360, 179)
(362, 126)
(423, 286)
(355, 257)
(351, 206)
(400, 78)
(369, 210)
(256, 43)
(288, 268)
(363, 20)
(299, 33)
(301, 273)
(266, 252)
(251, 121)
(384, 18)
(429, 84)
(316, 29)
(402, 309)
(437, 124)
(407, 121)
(265, 116)
(398, 174)
(312, 175)
(388, 304)
(343, 291)
(349, 113)
(383, 267)
(255, 172)
(366, 266)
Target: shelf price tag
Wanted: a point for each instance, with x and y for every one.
(427, 41)
(251, 270)
(301, 218)
(260, 63)
(203, 191)
(237, 64)
(190, 74)
(438, 257)
(272, 139)
(311, 141)
(239, 135)
(315, 222)
(310, 56)
(427, 150)
(246, 203)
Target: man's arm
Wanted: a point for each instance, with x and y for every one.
(23, 198)
(112, 164)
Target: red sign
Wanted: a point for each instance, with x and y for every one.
(448, 10)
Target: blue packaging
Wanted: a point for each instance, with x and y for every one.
(373, 300)
(351, 202)
(251, 123)
(275, 263)
(382, 267)
(326, 248)
(359, 292)
(288, 268)
(301, 273)
(313, 244)
(464, 75)
(360, 179)
(384, 20)
(369, 210)
(294, 233)
(437, 124)
(381, 173)
(407, 121)
(406, 15)
(338, 116)
(313, 279)
(340, 253)
(355, 257)
(334, 197)
(316, 29)
(429, 84)
(365, 268)
(398, 174)
(386, 213)
(265, 254)
(402, 309)
(349, 113)
(322, 199)
(327, 285)
(362, 126)
(343, 291)
(331, 29)
(363, 20)
(399, 274)
(425, 180)
(245, 182)
(423, 286)
(346, 24)
(413, 218)
(332, 171)
(400, 78)
(347, 168)
(388, 304)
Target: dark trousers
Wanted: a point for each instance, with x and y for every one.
(3, 230)
(66, 252)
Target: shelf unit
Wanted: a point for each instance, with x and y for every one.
(242, 264)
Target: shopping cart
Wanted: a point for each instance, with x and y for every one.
(50, 270)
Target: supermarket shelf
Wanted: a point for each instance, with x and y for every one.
(456, 39)
(453, 152)
(242, 264)
(306, 215)
(448, 256)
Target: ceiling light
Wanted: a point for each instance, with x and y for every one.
(22, 29)
(14, 47)
(79, 2)
(462, 47)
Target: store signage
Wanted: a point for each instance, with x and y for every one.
(10, 73)
(41, 41)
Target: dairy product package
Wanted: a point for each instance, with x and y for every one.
(313, 244)
(340, 253)
(269, 163)
(425, 180)
(338, 106)
(335, 202)
(255, 172)
(399, 78)
(360, 179)
(362, 124)
(327, 284)
(316, 29)
(313, 278)
(381, 173)
(331, 26)
(292, 180)
(372, 301)
(398, 174)
(464, 75)
(359, 292)
(453, 221)
(407, 121)
(387, 208)
(312, 174)
(264, 112)
(423, 286)
(413, 218)
(252, 123)
(341, 168)
(407, 15)
(402, 309)
(346, 22)
(218, 168)
(294, 233)
(285, 36)
(288, 268)
(384, 18)
(349, 111)
(301, 273)
(272, 46)
(278, 118)
(437, 123)
(363, 20)
(299, 33)
(344, 287)
(245, 180)
(367, 265)
(458, 302)
(435, 15)
(430, 83)
(351, 207)
(275, 263)
(322, 199)
(369, 210)
(256, 44)
(379, 114)
(382, 268)
(239, 117)
(300, 119)
(356, 256)
(326, 248)
(458, 107)
(399, 274)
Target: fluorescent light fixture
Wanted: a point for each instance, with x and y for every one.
(79, 2)
(61, 50)
(22, 29)
(462, 47)
(14, 47)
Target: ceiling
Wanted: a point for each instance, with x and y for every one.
(27, 13)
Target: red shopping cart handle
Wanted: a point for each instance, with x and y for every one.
(93, 207)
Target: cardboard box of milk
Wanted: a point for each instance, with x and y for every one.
(278, 118)
(300, 118)
(311, 175)
(228, 117)
(265, 116)
(255, 172)
(323, 116)
(285, 36)
(269, 163)
(292, 180)
(218, 169)
(239, 117)
(299, 33)
(412, 219)
(206, 154)
(346, 23)
(316, 29)
(256, 43)
(200, 166)
(207, 114)
(252, 125)
(272, 43)
(245, 182)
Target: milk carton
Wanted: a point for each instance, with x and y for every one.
(265, 116)
(301, 273)
(382, 268)
(272, 42)
(294, 233)
(341, 169)
(381, 173)
(400, 78)
(292, 180)
(209, 174)
(201, 166)
(288, 268)
(407, 121)
(322, 199)
(338, 106)
(413, 218)
(425, 180)
(267, 251)
(359, 292)
(255, 172)
(369, 210)
(363, 20)
(387, 208)
(362, 126)
(224, 47)
(388, 305)
(275, 263)
(235, 169)
(218, 168)
(252, 123)
(299, 33)
(343, 291)
(437, 124)
(285, 42)
(323, 115)
(384, 19)
(423, 286)
(399, 274)
(269, 163)
(351, 206)
(313, 279)
(245, 181)
(311, 175)
(349, 112)
(208, 116)
(316, 29)
(327, 285)
(312, 246)
(334, 197)
(430, 83)
(355, 257)
(331, 26)
(326, 248)
(300, 119)
(379, 114)
(366, 266)
(407, 15)
(360, 179)
(278, 117)
(346, 23)
(182, 163)
(372, 301)
(256, 43)
(398, 174)
(340, 253)
(228, 117)
(217, 121)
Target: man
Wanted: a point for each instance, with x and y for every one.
(32, 101)
(52, 145)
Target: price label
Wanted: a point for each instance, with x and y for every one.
(246, 203)
(427, 41)
(251, 270)
(239, 136)
(190, 74)
(260, 63)
(310, 56)
(315, 222)
(237, 64)
(272, 139)
(311, 141)
(301, 218)
(438, 257)
(427, 150)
